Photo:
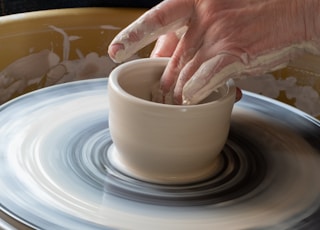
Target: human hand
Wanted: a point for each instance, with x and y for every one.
(223, 39)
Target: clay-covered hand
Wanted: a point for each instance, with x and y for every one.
(210, 41)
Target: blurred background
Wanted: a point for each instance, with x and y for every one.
(18, 6)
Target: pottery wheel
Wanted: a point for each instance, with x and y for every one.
(56, 174)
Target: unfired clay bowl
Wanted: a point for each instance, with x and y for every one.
(160, 143)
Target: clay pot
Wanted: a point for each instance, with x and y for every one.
(160, 143)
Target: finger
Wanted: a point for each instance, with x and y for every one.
(185, 51)
(165, 46)
(184, 76)
(168, 16)
(202, 56)
(211, 74)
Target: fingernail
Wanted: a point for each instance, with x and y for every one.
(238, 94)
(186, 101)
(114, 51)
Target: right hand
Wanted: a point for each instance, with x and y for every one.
(224, 39)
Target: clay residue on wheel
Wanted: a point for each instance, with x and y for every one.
(46, 67)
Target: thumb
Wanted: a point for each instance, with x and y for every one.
(217, 70)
